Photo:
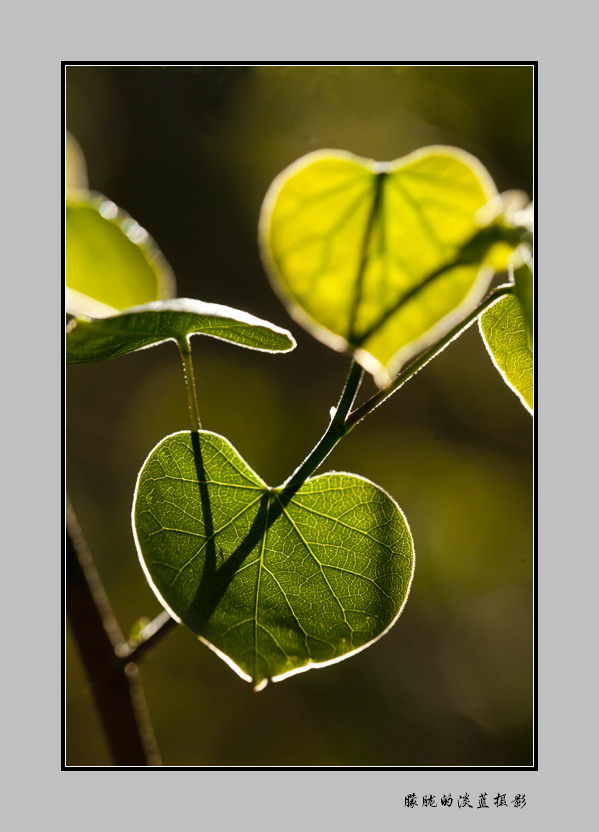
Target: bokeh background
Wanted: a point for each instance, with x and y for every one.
(189, 152)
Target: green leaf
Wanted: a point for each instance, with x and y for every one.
(510, 344)
(381, 258)
(273, 582)
(177, 320)
(524, 289)
(111, 262)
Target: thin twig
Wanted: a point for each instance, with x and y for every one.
(149, 637)
(185, 351)
(116, 686)
(333, 433)
(418, 364)
(342, 421)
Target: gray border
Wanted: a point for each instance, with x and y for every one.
(559, 791)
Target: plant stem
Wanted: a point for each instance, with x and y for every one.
(423, 359)
(185, 350)
(342, 423)
(335, 431)
(116, 685)
(149, 637)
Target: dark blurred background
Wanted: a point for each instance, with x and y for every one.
(189, 152)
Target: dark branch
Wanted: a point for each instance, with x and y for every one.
(116, 687)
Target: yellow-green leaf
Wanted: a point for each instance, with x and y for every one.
(111, 262)
(509, 341)
(524, 290)
(381, 258)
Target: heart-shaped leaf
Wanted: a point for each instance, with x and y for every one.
(111, 262)
(507, 331)
(177, 320)
(379, 258)
(273, 582)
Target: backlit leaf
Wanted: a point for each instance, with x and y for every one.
(177, 320)
(509, 341)
(524, 289)
(381, 259)
(273, 582)
(111, 262)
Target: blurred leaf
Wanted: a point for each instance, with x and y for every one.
(111, 262)
(75, 167)
(381, 258)
(177, 320)
(138, 627)
(509, 341)
(273, 582)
